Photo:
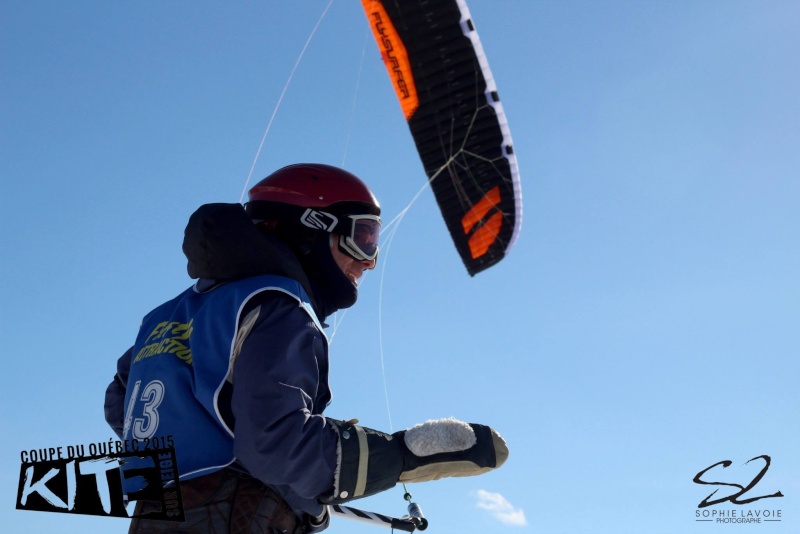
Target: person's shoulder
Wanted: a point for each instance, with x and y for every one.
(274, 304)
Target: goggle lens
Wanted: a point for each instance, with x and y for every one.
(362, 243)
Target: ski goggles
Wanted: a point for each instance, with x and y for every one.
(362, 241)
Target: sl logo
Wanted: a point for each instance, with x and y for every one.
(742, 489)
(319, 220)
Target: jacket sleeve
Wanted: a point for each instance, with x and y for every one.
(115, 394)
(279, 380)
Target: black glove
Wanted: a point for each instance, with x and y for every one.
(371, 461)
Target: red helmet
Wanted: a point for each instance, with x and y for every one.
(321, 197)
(313, 185)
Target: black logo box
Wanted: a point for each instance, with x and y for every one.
(92, 485)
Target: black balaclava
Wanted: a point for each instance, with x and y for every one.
(330, 287)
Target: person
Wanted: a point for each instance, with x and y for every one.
(235, 368)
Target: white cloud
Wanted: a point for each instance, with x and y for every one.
(501, 509)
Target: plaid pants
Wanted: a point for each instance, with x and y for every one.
(224, 502)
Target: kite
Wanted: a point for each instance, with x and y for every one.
(448, 96)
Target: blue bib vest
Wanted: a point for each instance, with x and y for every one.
(181, 359)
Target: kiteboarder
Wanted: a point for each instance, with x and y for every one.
(235, 369)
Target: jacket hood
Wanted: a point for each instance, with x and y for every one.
(221, 243)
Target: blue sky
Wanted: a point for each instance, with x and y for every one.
(644, 327)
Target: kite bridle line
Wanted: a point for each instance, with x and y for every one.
(414, 520)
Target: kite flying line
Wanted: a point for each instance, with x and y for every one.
(280, 100)
(415, 519)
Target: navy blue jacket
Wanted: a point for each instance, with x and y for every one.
(279, 386)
